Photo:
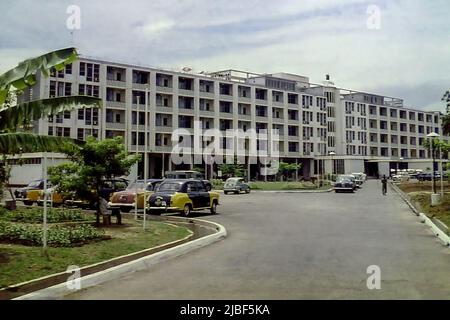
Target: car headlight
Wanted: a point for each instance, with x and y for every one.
(158, 202)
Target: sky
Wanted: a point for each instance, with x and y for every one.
(397, 48)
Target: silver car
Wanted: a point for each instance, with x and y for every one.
(235, 185)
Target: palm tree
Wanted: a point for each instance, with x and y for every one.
(15, 117)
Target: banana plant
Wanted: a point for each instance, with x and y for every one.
(15, 117)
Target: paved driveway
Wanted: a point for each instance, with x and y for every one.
(301, 246)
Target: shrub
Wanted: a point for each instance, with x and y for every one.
(217, 184)
(35, 215)
(57, 236)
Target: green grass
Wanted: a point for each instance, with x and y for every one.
(22, 263)
(442, 211)
(287, 186)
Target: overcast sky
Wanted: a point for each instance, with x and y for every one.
(407, 57)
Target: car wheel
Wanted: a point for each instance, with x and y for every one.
(247, 190)
(27, 203)
(125, 209)
(214, 208)
(236, 192)
(225, 192)
(187, 210)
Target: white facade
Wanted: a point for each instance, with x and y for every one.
(313, 120)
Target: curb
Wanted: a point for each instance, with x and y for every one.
(60, 290)
(441, 235)
(287, 191)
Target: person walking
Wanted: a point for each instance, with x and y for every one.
(384, 185)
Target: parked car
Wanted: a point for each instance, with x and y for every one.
(235, 185)
(359, 179)
(188, 174)
(108, 187)
(345, 183)
(401, 177)
(54, 198)
(29, 199)
(427, 176)
(126, 200)
(184, 196)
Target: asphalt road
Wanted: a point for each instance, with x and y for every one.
(301, 246)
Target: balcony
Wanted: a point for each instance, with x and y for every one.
(115, 125)
(115, 104)
(161, 89)
(163, 129)
(184, 92)
(141, 86)
(115, 83)
(204, 94)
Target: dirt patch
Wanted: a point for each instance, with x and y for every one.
(425, 186)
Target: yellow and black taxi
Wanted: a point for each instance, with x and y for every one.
(184, 196)
(28, 197)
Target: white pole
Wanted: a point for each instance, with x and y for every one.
(145, 154)
(442, 171)
(44, 226)
(137, 162)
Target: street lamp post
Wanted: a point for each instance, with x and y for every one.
(332, 154)
(434, 199)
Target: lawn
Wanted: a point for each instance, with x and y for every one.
(442, 211)
(20, 263)
(291, 185)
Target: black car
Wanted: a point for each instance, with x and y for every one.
(184, 196)
(188, 174)
(428, 176)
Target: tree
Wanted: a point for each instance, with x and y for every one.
(232, 169)
(15, 117)
(90, 164)
(440, 148)
(286, 169)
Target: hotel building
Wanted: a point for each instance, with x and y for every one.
(323, 127)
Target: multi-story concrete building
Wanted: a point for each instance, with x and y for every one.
(321, 126)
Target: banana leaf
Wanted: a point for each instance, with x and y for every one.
(13, 117)
(24, 75)
(23, 142)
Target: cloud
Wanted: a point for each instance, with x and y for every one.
(406, 58)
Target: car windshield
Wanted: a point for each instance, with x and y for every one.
(34, 183)
(169, 186)
(231, 182)
(152, 186)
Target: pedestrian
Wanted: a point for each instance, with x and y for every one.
(105, 212)
(384, 185)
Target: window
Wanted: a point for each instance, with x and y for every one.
(69, 69)
(66, 114)
(66, 132)
(50, 131)
(80, 134)
(82, 68)
(80, 114)
(117, 117)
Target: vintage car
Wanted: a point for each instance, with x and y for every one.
(359, 179)
(235, 185)
(53, 197)
(23, 193)
(188, 174)
(344, 183)
(184, 196)
(126, 200)
(107, 188)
